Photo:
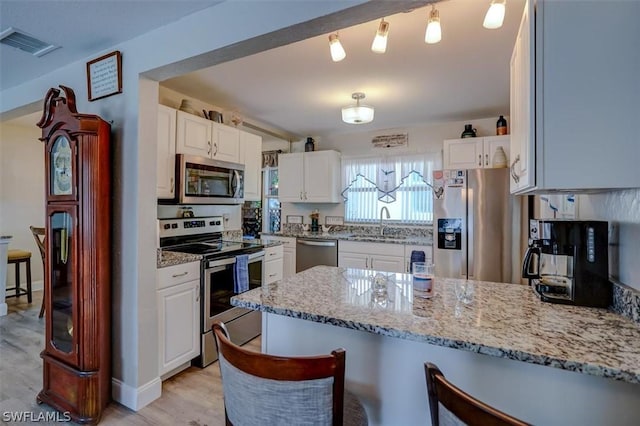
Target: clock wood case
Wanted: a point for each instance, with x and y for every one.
(77, 353)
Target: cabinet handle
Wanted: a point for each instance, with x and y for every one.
(215, 145)
(515, 177)
(366, 263)
(180, 275)
(198, 294)
(371, 263)
(479, 159)
(301, 195)
(272, 275)
(486, 159)
(407, 270)
(209, 150)
(305, 195)
(173, 185)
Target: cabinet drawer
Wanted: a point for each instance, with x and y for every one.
(273, 270)
(371, 248)
(178, 274)
(273, 253)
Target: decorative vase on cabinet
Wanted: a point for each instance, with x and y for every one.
(77, 351)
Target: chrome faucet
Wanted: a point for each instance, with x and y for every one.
(383, 209)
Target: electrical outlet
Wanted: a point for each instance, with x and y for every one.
(334, 220)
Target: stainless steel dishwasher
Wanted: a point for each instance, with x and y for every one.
(313, 252)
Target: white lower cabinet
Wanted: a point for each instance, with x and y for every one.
(273, 264)
(374, 256)
(178, 316)
(288, 253)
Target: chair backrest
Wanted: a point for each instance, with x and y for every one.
(450, 405)
(262, 389)
(38, 235)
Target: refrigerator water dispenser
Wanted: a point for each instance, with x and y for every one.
(450, 234)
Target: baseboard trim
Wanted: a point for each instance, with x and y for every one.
(136, 398)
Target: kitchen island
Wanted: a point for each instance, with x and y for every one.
(547, 364)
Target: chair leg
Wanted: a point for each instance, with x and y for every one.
(44, 299)
(17, 279)
(29, 296)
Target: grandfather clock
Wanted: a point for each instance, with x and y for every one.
(77, 353)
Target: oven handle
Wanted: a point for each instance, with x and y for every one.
(232, 260)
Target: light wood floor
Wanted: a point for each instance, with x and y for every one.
(193, 397)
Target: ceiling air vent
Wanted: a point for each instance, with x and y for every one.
(19, 39)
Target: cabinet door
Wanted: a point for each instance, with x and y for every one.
(166, 152)
(179, 324)
(251, 157)
(322, 177)
(463, 153)
(193, 135)
(225, 143)
(386, 263)
(273, 271)
(289, 262)
(490, 145)
(290, 177)
(353, 260)
(522, 142)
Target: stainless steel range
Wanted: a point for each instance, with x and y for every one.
(203, 236)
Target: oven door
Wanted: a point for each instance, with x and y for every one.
(218, 289)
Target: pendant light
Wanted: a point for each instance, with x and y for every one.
(379, 44)
(434, 31)
(495, 15)
(357, 114)
(337, 51)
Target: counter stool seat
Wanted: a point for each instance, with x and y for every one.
(17, 257)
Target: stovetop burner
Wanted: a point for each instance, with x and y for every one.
(215, 248)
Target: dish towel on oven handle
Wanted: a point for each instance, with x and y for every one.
(241, 274)
(416, 256)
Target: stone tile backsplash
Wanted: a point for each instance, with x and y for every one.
(390, 231)
(626, 302)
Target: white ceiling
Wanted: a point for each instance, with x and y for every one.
(297, 88)
(81, 28)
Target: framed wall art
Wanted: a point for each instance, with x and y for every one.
(104, 76)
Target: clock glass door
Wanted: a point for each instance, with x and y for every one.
(61, 167)
(62, 246)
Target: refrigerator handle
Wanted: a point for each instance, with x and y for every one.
(469, 264)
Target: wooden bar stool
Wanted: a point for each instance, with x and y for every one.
(17, 257)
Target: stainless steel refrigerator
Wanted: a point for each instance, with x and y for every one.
(473, 223)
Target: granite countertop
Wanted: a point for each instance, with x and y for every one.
(501, 320)
(169, 258)
(350, 236)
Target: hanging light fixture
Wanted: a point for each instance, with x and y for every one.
(357, 114)
(495, 15)
(337, 51)
(434, 31)
(379, 44)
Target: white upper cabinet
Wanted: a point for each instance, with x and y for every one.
(205, 138)
(583, 85)
(473, 153)
(251, 157)
(225, 141)
(309, 177)
(193, 135)
(166, 152)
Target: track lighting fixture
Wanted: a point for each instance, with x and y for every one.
(495, 15)
(337, 51)
(434, 31)
(379, 44)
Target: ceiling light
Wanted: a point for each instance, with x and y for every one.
(495, 15)
(434, 32)
(337, 51)
(379, 44)
(357, 114)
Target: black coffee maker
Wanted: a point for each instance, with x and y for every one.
(567, 262)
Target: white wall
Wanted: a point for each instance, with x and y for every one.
(427, 138)
(622, 210)
(22, 194)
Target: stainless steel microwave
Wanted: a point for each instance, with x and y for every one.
(201, 180)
